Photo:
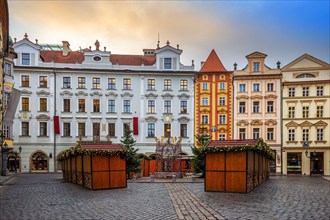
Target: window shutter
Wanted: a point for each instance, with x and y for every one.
(161, 63)
(174, 63)
(32, 59)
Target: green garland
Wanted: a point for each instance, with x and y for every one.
(261, 148)
(77, 150)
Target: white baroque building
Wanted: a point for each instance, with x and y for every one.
(96, 94)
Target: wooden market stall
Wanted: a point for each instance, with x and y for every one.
(236, 165)
(95, 166)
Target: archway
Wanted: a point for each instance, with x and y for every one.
(39, 162)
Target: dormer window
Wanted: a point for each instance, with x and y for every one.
(256, 67)
(26, 59)
(97, 58)
(167, 63)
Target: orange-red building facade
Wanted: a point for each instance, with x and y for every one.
(213, 99)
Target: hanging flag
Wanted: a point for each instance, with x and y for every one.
(135, 125)
(56, 125)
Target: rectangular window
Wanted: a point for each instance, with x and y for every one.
(26, 59)
(167, 63)
(319, 111)
(242, 88)
(305, 111)
(222, 119)
(256, 66)
(270, 134)
(292, 92)
(151, 130)
(43, 104)
(184, 85)
(25, 104)
(81, 129)
(222, 137)
(66, 105)
(96, 130)
(205, 101)
(66, 129)
(292, 133)
(25, 129)
(43, 128)
(96, 105)
(66, 82)
(319, 134)
(183, 130)
(256, 87)
(167, 130)
(112, 129)
(151, 106)
(183, 107)
(81, 83)
(270, 87)
(25, 81)
(7, 68)
(126, 127)
(294, 163)
(242, 107)
(81, 105)
(111, 106)
(126, 84)
(270, 106)
(319, 90)
(305, 91)
(222, 101)
(43, 82)
(127, 106)
(256, 107)
(205, 119)
(256, 133)
(205, 86)
(242, 133)
(167, 84)
(151, 84)
(167, 106)
(305, 134)
(111, 83)
(96, 83)
(222, 86)
(291, 112)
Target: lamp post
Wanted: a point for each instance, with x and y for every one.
(306, 145)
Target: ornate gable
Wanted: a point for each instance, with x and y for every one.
(256, 122)
(96, 93)
(306, 124)
(242, 123)
(271, 122)
(321, 124)
(306, 62)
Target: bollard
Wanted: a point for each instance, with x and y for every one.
(152, 178)
(134, 179)
(193, 178)
(173, 178)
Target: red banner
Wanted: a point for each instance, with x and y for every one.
(135, 125)
(56, 125)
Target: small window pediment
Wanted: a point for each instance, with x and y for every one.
(111, 94)
(256, 97)
(24, 91)
(184, 96)
(66, 93)
(151, 95)
(167, 96)
(96, 93)
(127, 94)
(321, 124)
(242, 97)
(271, 122)
(256, 122)
(292, 124)
(81, 93)
(242, 123)
(42, 92)
(151, 119)
(42, 117)
(183, 119)
(306, 124)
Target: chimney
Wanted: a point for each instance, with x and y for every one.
(66, 48)
(177, 46)
(202, 63)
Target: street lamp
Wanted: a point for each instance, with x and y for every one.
(306, 145)
(20, 149)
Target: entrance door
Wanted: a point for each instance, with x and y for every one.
(317, 163)
(39, 162)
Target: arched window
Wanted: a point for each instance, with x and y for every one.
(39, 161)
(305, 75)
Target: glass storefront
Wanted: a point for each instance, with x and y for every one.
(294, 163)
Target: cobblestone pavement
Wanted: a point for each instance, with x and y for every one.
(47, 196)
(187, 205)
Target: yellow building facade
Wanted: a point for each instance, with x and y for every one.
(306, 116)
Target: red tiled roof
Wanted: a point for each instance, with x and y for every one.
(213, 64)
(132, 60)
(101, 146)
(57, 56)
(228, 143)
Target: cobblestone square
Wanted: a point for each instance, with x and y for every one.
(47, 196)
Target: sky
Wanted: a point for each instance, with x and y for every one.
(284, 30)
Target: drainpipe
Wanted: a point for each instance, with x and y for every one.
(55, 168)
